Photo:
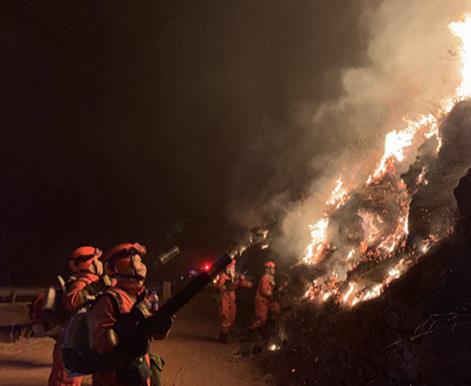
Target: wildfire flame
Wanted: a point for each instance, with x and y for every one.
(358, 228)
(339, 195)
(319, 235)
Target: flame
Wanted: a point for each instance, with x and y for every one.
(395, 142)
(426, 244)
(396, 271)
(257, 237)
(273, 347)
(339, 195)
(349, 292)
(374, 292)
(318, 235)
(422, 177)
(326, 296)
(380, 235)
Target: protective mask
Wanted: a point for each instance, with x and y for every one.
(140, 268)
(96, 267)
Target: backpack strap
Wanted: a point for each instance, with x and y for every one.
(70, 280)
(77, 280)
(117, 300)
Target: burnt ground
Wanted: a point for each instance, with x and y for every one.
(192, 355)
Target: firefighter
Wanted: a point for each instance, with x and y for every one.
(265, 298)
(226, 285)
(112, 317)
(81, 287)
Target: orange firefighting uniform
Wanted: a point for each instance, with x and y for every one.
(227, 285)
(74, 299)
(264, 302)
(101, 320)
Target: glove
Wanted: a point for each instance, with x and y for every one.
(127, 329)
(162, 327)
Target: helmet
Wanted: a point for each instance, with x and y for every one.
(269, 264)
(86, 259)
(125, 260)
(125, 249)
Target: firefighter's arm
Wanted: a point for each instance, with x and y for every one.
(244, 283)
(101, 321)
(76, 296)
(84, 290)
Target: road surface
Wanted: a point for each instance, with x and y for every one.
(192, 355)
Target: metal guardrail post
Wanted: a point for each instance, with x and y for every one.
(13, 296)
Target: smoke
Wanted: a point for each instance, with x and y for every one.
(412, 65)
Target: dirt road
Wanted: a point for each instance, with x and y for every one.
(191, 353)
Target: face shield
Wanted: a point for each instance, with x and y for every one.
(96, 267)
(139, 268)
(270, 270)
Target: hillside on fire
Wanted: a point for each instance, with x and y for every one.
(381, 295)
(418, 331)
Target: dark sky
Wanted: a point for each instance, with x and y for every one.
(120, 119)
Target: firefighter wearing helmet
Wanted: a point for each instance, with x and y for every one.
(126, 302)
(265, 298)
(82, 286)
(226, 286)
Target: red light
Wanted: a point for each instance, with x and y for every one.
(206, 267)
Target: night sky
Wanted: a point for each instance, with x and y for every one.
(120, 120)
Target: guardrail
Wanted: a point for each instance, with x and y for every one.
(14, 295)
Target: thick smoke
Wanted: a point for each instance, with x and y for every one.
(413, 64)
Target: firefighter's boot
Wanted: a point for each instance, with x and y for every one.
(225, 338)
